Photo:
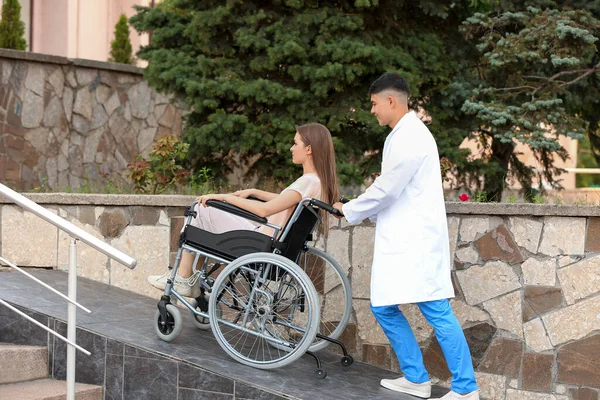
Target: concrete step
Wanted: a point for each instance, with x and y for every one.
(22, 363)
(48, 389)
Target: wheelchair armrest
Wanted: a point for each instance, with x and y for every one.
(240, 212)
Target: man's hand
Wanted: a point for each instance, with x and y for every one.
(338, 206)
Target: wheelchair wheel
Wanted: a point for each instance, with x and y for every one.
(335, 294)
(201, 322)
(269, 310)
(171, 328)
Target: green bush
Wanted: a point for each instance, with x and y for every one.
(12, 29)
(120, 47)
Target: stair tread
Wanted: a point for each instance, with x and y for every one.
(11, 347)
(43, 389)
(32, 363)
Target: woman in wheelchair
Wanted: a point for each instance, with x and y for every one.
(313, 149)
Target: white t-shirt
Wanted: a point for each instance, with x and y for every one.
(308, 185)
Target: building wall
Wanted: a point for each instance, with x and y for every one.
(77, 28)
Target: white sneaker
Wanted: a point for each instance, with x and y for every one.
(186, 287)
(455, 396)
(404, 386)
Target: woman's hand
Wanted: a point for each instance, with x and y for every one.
(203, 199)
(244, 194)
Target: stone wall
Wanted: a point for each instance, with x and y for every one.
(64, 121)
(527, 280)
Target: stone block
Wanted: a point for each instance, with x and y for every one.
(112, 223)
(338, 247)
(84, 103)
(28, 240)
(176, 226)
(536, 337)
(573, 322)
(144, 215)
(503, 358)
(369, 330)
(507, 312)
(472, 227)
(33, 110)
(435, 362)
(592, 239)
(563, 235)
(453, 225)
(85, 76)
(542, 299)
(581, 279)
(467, 314)
(479, 338)
(539, 272)
(537, 372)
(492, 387)
(377, 354)
(499, 245)
(467, 255)
(35, 78)
(494, 279)
(584, 394)
(67, 101)
(150, 246)
(512, 394)
(57, 81)
(579, 362)
(417, 321)
(363, 239)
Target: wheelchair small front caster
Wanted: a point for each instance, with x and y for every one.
(347, 361)
(321, 373)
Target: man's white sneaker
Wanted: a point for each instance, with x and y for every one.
(186, 287)
(456, 396)
(404, 386)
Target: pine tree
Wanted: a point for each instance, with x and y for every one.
(251, 71)
(12, 29)
(538, 80)
(120, 47)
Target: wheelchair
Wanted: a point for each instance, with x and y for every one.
(273, 299)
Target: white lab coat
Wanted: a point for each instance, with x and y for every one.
(411, 260)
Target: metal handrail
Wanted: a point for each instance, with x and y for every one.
(64, 339)
(68, 227)
(76, 233)
(33, 278)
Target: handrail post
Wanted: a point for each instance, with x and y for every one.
(71, 319)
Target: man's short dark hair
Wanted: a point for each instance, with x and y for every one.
(389, 81)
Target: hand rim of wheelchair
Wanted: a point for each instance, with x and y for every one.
(311, 304)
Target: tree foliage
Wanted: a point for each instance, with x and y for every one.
(251, 71)
(120, 46)
(539, 64)
(501, 71)
(12, 29)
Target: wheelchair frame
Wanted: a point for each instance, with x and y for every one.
(270, 250)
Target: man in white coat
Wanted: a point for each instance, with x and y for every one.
(411, 260)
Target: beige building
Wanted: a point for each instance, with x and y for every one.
(77, 28)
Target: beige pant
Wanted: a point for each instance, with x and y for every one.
(216, 221)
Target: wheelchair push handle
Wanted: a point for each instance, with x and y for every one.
(326, 207)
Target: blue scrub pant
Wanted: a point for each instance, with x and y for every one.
(448, 331)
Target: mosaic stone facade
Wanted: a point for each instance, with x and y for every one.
(64, 122)
(527, 282)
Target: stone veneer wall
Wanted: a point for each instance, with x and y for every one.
(63, 121)
(527, 279)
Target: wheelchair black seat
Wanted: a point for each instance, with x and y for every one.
(228, 245)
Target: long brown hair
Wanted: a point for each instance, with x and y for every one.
(318, 138)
